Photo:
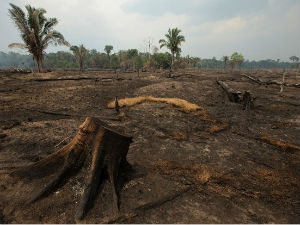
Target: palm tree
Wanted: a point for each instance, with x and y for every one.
(80, 54)
(225, 60)
(108, 49)
(172, 42)
(36, 31)
(294, 58)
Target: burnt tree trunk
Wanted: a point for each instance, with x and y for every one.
(108, 149)
(248, 101)
(260, 82)
(232, 94)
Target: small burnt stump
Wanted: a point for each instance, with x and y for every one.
(248, 101)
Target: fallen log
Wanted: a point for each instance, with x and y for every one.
(69, 115)
(278, 143)
(260, 82)
(234, 96)
(108, 149)
(285, 146)
(64, 79)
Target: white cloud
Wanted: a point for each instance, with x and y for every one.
(271, 32)
(96, 23)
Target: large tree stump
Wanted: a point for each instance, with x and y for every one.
(108, 149)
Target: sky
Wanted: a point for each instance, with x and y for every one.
(259, 29)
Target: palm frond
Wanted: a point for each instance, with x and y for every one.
(18, 17)
(74, 49)
(30, 21)
(162, 43)
(56, 38)
(48, 25)
(17, 45)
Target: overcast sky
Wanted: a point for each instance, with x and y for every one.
(259, 29)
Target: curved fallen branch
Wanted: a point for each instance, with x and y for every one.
(260, 82)
(75, 79)
(68, 115)
(108, 153)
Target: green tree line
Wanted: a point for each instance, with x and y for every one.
(130, 59)
(37, 33)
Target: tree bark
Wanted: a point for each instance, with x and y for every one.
(81, 65)
(38, 63)
(260, 82)
(109, 150)
(172, 62)
(248, 101)
(232, 94)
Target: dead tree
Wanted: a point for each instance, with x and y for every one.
(108, 150)
(232, 94)
(281, 86)
(117, 108)
(248, 101)
(260, 82)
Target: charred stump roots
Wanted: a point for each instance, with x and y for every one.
(109, 150)
(247, 99)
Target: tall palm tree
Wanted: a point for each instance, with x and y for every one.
(80, 53)
(36, 31)
(172, 42)
(108, 49)
(294, 58)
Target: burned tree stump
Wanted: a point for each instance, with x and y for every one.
(248, 101)
(108, 149)
(232, 94)
(117, 108)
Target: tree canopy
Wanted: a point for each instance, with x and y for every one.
(173, 42)
(108, 49)
(36, 31)
(236, 59)
(80, 53)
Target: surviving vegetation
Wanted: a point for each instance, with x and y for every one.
(36, 31)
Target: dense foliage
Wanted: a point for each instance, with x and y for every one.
(130, 59)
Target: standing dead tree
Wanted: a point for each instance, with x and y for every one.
(248, 101)
(117, 108)
(108, 150)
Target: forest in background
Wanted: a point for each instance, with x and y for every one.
(129, 59)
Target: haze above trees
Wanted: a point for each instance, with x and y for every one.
(37, 34)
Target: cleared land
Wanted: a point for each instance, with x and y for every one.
(227, 165)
